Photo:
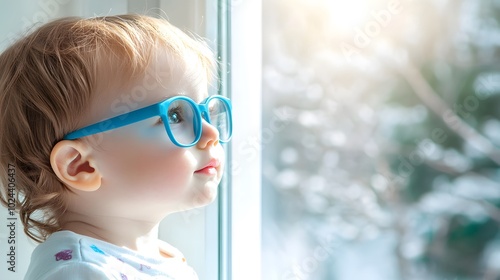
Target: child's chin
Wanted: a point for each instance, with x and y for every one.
(199, 197)
(206, 195)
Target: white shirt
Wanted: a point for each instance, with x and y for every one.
(67, 255)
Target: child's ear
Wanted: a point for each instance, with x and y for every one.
(73, 165)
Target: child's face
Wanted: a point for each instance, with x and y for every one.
(142, 170)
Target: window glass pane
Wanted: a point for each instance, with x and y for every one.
(380, 140)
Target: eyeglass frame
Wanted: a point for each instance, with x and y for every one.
(159, 109)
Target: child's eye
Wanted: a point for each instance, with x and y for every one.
(175, 115)
(159, 121)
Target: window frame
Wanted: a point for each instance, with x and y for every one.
(244, 218)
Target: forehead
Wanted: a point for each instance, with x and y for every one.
(165, 76)
(168, 76)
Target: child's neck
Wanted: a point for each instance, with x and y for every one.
(141, 236)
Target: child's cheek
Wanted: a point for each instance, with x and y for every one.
(150, 168)
(137, 135)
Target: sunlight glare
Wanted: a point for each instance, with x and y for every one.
(347, 15)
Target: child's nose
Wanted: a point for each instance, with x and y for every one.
(209, 136)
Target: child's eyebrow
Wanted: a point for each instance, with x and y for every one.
(167, 96)
(179, 93)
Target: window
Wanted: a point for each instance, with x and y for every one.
(386, 164)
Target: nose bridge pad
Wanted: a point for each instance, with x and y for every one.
(204, 115)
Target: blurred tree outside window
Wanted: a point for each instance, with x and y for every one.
(381, 139)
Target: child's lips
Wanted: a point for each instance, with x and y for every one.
(210, 168)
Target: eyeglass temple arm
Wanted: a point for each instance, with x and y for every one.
(115, 122)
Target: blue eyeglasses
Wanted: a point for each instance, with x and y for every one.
(181, 116)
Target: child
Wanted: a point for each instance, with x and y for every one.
(108, 127)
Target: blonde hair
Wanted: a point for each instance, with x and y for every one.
(47, 82)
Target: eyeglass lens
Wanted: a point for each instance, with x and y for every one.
(182, 116)
(219, 117)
